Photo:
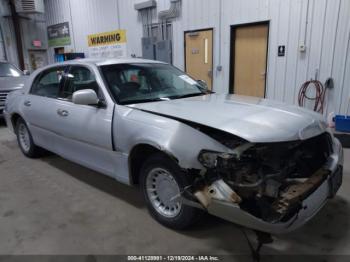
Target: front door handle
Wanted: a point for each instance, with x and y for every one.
(61, 112)
(27, 103)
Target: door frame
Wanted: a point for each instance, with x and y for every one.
(213, 48)
(233, 49)
(39, 50)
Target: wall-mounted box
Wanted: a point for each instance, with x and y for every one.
(30, 6)
(148, 47)
(164, 51)
(145, 5)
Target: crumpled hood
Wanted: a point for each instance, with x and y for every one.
(254, 119)
(12, 83)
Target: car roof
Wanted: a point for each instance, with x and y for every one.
(8, 62)
(107, 61)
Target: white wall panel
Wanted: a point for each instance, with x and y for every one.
(274, 10)
(90, 17)
(282, 32)
(341, 55)
(324, 26)
(346, 88)
(328, 48)
(317, 29)
(292, 48)
(131, 22)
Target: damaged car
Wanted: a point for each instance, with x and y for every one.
(257, 163)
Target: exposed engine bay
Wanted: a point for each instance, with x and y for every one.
(269, 181)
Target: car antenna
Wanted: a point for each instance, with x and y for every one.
(262, 238)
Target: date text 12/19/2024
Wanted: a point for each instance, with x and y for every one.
(173, 258)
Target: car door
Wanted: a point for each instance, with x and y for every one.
(38, 107)
(85, 132)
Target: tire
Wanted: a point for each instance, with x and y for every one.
(25, 140)
(160, 179)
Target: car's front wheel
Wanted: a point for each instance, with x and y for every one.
(25, 140)
(162, 182)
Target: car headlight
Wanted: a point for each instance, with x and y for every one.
(209, 159)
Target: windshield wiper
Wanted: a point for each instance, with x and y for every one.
(188, 95)
(158, 99)
(140, 101)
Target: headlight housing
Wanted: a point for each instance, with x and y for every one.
(209, 159)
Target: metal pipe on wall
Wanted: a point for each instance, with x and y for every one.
(72, 24)
(17, 27)
(219, 66)
(172, 12)
(2, 43)
(304, 41)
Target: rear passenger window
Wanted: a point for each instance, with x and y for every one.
(79, 78)
(48, 83)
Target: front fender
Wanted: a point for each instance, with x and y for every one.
(133, 127)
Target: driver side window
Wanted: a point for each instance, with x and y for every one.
(79, 78)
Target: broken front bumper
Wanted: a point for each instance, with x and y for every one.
(310, 206)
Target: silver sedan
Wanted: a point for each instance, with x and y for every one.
(258, 163)
(11, 78)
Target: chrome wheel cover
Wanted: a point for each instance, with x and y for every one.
(163, 192)
(24, 137)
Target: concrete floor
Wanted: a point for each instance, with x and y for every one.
(53, 206)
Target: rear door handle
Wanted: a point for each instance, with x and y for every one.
(27, 103)
(61, 112)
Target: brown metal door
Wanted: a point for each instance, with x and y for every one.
(199, 55)
(250, 53)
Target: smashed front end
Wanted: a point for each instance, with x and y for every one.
(270, 187)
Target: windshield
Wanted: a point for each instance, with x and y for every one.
(139, 83)
(8, 70)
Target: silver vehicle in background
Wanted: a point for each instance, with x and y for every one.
(258, 163)
(11, 78)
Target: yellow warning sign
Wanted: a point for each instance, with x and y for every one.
(107, 38)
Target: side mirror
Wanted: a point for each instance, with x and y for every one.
(85, 97)
(203, 84)
(26, 72)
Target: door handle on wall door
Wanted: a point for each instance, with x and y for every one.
(61, 112)
(27, 103)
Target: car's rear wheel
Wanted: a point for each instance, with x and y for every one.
(25, 140)
(162, 182)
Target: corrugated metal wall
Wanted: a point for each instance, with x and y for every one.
(2, 45)
(59, 11)
(3, 12)
(8, 34)
(33, 27)
(324, 26)
(89, 17)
